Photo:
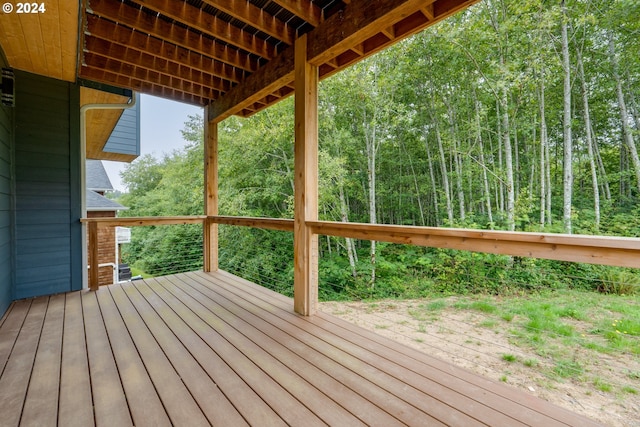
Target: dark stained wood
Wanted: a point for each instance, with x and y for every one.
(17, 372)
(10, 328)
(153, 65)
(144, 403)
(175, 397)
(211, 25)
(208, 396)
(180, 36)
(119, 34)
(76, 403)
(304, 9)
(109, 401)
(41, 403)
(214, 349)
(256, 17)
(239, 392)
(239, 354)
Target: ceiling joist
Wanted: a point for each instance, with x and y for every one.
(237, 55)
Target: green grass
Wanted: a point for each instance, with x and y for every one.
(509, 358)
(565, 331)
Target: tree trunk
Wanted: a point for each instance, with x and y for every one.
(445, 177)
(344, 211)
(508, 160)
(624, 115)
(500, 182)
(485, 179)
(371, 174)
(544, 150)
(590, 140)
(434, 188)
(567, 179)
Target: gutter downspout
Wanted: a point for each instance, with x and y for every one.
(83, 172)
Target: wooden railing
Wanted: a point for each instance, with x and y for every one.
(605, 250)
(94, 223)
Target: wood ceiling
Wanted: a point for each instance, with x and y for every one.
(237, 55)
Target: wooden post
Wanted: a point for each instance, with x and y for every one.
(211, 194)
(94, 276)
(305, 258)
(210, 236)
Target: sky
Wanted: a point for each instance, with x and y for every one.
(160, 123)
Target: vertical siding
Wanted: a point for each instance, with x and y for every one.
(47, 186)
(125, 137)
(6, 136)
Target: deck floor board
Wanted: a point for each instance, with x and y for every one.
(213, 349)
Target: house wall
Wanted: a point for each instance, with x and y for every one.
(6, 140)
(106, 247)
(125, 138)
(48, 240)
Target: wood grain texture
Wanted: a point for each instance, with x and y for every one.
(615, 251)
(305, 243)
(214, 349)
(211, 197)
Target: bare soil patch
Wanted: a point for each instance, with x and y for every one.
(604, 390)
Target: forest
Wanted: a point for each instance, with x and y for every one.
(513, 115)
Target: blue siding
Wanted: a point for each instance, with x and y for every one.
(6, 138)
(125, 138)
(47, 188)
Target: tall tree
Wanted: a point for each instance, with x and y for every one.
(567, 179)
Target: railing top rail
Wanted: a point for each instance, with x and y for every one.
(146, 220)
(607, 250)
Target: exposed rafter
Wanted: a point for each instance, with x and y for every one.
(256, 17)
(305, 9)
(237, 55)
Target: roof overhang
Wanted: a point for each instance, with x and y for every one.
(234, 55)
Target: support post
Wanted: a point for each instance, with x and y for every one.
(94, 273)
(210, 236)
(305, 258)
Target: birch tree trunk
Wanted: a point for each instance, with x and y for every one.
(590, 140)
(485, 179)
(434, 188)
(445, 177)
(567, 179)
(624, 115)
(344, 211)
(508, 160)
(544, 159)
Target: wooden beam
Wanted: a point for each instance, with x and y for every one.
(305, 243)
(119, 34)
(151, 63)
(142, 221)
(256, 17)
(604, 250)
(362, 23)
(304, 9)
(199, 20)
(273, 76)
(211, 196)
(359, 21)
(94, 271)
(105, 76)
(277, 224)
(128, 71)
(191, 40)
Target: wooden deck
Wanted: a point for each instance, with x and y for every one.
(212, 349)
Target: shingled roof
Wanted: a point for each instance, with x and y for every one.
(97, 180)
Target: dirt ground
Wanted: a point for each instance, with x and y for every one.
(472, 341)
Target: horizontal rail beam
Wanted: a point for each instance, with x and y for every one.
(145, 221)
(264, 223)
(605, 250)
